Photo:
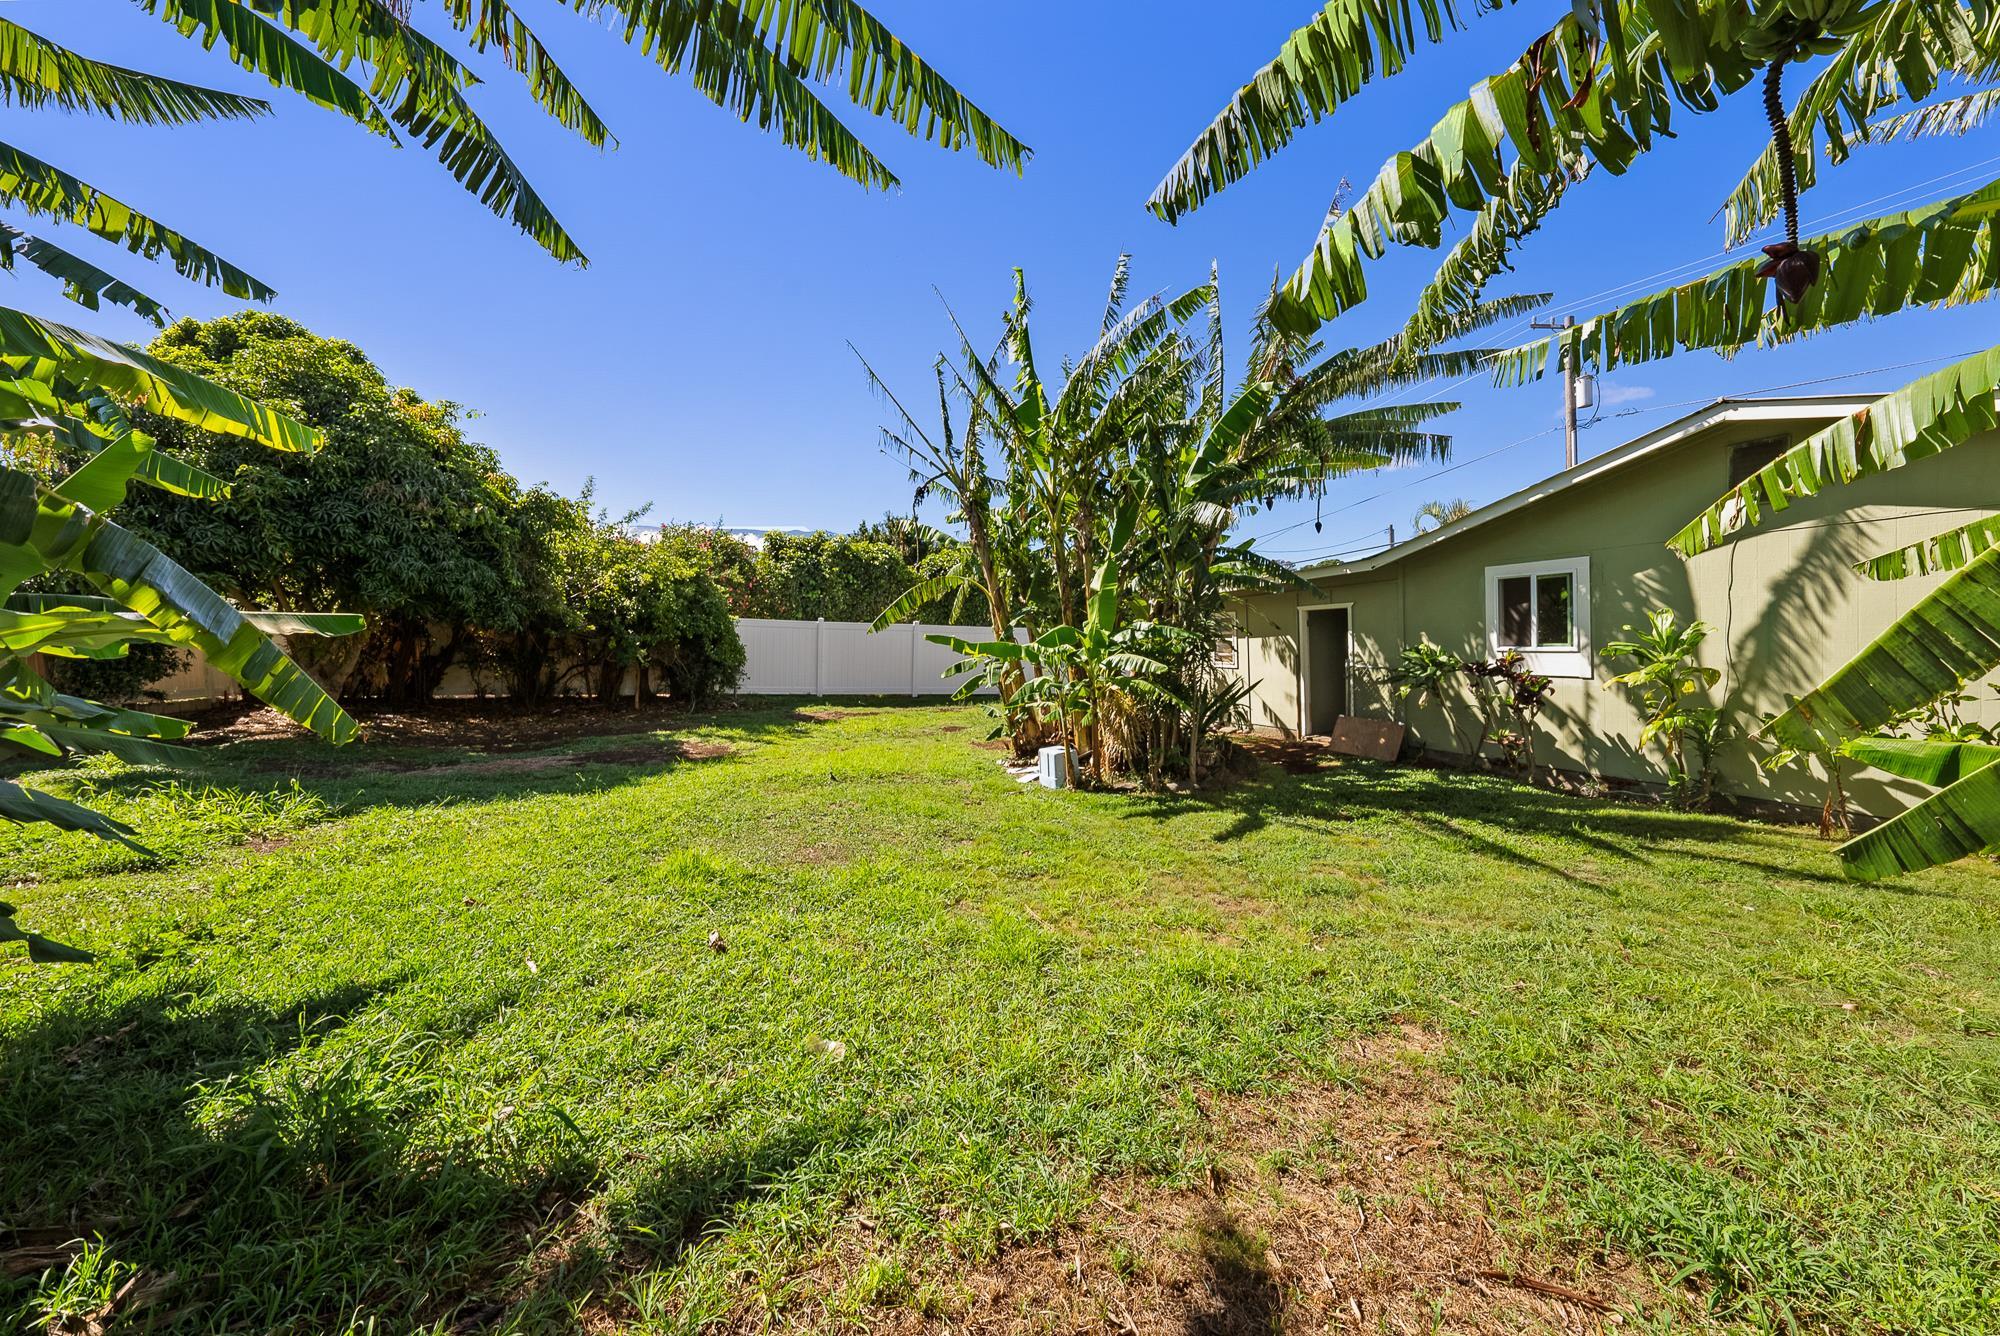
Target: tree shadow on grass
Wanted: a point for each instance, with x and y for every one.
(282, 1181)
(1455, 805)
(292, 1173)
(1244, 1297)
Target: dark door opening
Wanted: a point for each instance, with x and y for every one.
(1326, 669)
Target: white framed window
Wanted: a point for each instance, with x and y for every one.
(1223, 655)
(1541, 609)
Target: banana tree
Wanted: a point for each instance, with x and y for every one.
(953, 466)
(1147, 452)
(1076, 669)
(63, 398)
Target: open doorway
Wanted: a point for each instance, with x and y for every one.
(1323, 674)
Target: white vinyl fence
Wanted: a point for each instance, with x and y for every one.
(783, 658)
(790, 658)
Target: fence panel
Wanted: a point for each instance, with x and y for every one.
(196, 683)
(795, 658)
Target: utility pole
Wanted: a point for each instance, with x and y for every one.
(1569, 391)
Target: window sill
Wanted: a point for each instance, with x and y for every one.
(1567, 663)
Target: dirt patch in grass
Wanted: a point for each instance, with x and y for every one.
(489, 725)
(831, 714)
(653, 753)
(1328, 1208)
(1296, 755)
(536, 763)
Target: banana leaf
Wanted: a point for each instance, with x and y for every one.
(1934, 761)
(42, 531)
(83, 282)
(42, 350)
(1936, 413)
(1956, 822)
(40, 949)
(1945, 253)
(27, 806)
(1950, 637)
(1946, 552)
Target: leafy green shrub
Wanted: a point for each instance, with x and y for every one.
(1668, 681)
(120, 681)
(1424, 673)
(1510, 697)
(597, 603)
(835, 576)
(1506, 697)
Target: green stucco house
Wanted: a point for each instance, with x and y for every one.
(1560, 568)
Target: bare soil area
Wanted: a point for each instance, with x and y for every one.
(1330, 1208)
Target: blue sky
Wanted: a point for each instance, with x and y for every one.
(701, 364)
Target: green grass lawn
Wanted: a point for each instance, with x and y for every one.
(397, 1039)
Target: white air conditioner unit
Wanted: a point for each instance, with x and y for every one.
(1052, 768)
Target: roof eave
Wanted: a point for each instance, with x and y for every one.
(1783, 408)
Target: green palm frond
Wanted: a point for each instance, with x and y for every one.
(1956, 116)
(815, 42)
(1114, 300)
(1253, 568)
(1380, 446)
(1946, 552)
(40, 530)
(719, 50)
(31, 184)
(399, 58)
(925, 591)
(476, 160)
(1899, 56)
(1943, 254)
(69, 623)
(155, 469)
(1956, 822)
(422, 87)
(1566, 100)
(262, 48)
(83, 282)
(27, 807)
(494, 23)
(1938, 412)
(37, 73)
(1454, 289)
(1934, 761)
(1320, 66)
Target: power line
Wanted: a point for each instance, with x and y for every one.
(1507, 331)
(1687, 268)
(1359, 545)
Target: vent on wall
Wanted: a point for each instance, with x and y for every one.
(1747, 458)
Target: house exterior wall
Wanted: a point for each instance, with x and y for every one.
(1787, 606)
